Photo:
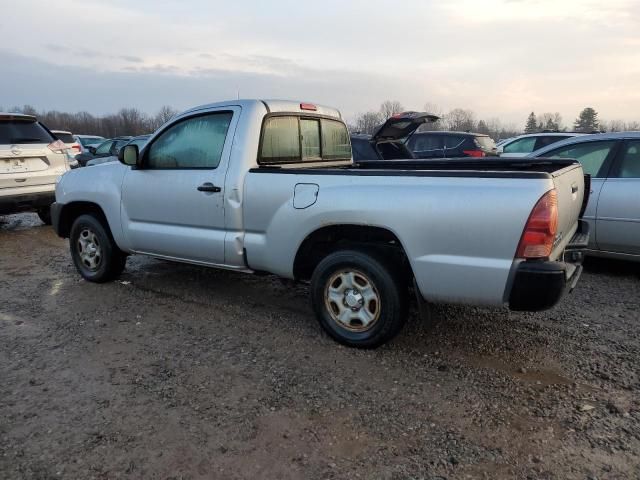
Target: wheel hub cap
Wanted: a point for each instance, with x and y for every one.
(89, 249)
(352, 300)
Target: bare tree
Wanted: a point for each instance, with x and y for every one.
(435, 110)
(367, 122)
(550, 121)
(390, 108)
(460, 120)
(165, 114)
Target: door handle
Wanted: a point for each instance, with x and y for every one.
(209, 187)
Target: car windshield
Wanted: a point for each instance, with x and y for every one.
(65, 137)
(140, 142)
(21, 131)
(90, 140)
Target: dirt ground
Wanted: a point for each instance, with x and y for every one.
(180, 372)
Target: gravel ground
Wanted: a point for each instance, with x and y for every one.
(179, 372)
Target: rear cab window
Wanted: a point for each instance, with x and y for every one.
(18, 131)
(296, 138)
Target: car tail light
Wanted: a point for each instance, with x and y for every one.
(308, 106)
(57, 146)
(541, 228)
(76, 147)
(474, 153)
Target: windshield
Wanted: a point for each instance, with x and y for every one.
(65, 137)
(21, 131)
(90, 140)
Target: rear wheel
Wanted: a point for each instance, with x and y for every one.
(45, 215)
(358, 298)
(95, 254)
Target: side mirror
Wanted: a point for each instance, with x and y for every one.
(92, 150)
(129, 155)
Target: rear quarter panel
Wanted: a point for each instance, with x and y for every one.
(460, 234)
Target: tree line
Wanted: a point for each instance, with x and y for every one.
(464, 120)
(131, 121)
(127, 121)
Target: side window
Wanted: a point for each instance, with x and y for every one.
(522, 145)
(630, 164)
(104, 147)
(590, 154)
(289, 138)
(425, 143)
(196, 142)
(545, 141)
(453, 142)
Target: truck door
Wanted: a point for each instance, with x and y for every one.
(173, 206)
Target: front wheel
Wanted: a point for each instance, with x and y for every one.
(95, 254)
(359, 300)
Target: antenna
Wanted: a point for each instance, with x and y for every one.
(238, 94)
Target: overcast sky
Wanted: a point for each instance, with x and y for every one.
(500, 58)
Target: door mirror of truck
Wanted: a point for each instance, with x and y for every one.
(129, 155)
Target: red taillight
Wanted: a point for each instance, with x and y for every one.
(541, 228)
(76, 147)
(57, 146)
(473, 153)
(308, 106)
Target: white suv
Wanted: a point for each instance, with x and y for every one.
(31, 160)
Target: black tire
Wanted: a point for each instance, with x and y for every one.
(45, 215)
(90, 235)
(388, 306)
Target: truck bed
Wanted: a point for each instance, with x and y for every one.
(453, 167)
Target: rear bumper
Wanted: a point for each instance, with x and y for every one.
(540, 285)
(26, 201)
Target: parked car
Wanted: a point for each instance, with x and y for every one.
(388, 142)
(69, 140)
(270, 186)
(87, 141)
(451, 145)
(31, 161)
(523, 145)
(140, 141)
(613, 161)
(108, 148)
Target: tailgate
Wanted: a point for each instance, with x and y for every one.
(570, 187)
(29, 165)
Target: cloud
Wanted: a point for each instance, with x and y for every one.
(498, 57)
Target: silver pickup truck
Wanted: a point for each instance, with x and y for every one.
(270, 186)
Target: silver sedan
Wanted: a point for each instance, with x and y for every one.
(613, 211)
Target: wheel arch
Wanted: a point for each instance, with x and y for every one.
(71, 211)
(328, 239)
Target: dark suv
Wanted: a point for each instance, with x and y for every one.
(451, 145)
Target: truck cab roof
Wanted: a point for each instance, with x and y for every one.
(276, 106)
